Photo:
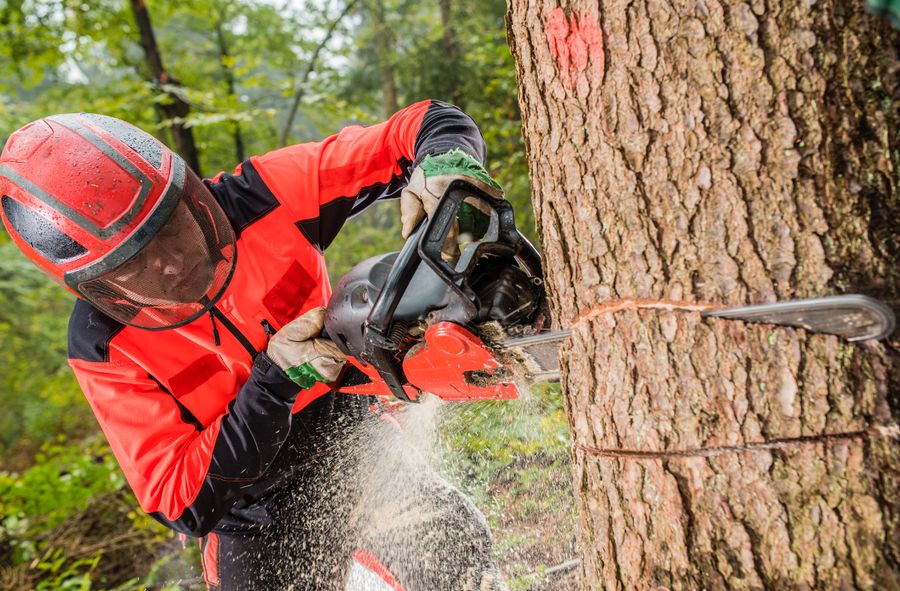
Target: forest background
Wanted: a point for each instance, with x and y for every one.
(247, 77)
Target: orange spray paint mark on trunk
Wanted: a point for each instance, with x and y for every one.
(576, 44)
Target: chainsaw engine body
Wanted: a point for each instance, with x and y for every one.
(407, 320)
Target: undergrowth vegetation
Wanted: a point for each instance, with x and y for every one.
(70, 521)
(512, 458)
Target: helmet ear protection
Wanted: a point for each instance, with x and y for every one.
(83, 194)
(39, 233)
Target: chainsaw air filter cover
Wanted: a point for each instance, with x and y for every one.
(352, 300)
(503, 293)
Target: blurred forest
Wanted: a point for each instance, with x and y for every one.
(244, 77)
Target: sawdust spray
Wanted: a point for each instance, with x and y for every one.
(376, 490)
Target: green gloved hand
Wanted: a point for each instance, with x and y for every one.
(304, 358)
(427, 184)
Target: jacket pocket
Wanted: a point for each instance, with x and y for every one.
(285, 300)
(195, 374)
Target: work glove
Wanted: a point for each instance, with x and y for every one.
(427, 184)
(304, 358)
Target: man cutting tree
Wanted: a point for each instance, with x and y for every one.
(194, 339)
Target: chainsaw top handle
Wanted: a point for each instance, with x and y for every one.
(501, 236)
(425, 244)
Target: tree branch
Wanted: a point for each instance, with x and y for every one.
(301, 87)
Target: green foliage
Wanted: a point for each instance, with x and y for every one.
(63, 480)
(61, 573)
(487, 437)
(512, 458)
(480, 76)
(69, 522)
(39, 395)
(373, 232)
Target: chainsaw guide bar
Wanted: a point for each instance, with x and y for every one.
(853, 317)
(535, 355)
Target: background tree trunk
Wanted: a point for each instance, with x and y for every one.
(719, 151)
(452, 72)
(176, 109)
(227, 65)
(383, 56)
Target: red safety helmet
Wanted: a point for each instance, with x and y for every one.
(116, 217)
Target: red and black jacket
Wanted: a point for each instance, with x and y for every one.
(195, 415)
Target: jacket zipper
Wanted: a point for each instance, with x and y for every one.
(216, 338)
(217, 314)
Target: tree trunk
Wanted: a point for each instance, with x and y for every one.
(719, 151)
(175, 109)
(452, 73)
(228, 75)
(384, 48)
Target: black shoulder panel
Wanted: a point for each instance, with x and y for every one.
(244, 197)
(322, 230)
(90, 332)
(445, 127)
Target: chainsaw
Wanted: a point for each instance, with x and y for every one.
(479, 327)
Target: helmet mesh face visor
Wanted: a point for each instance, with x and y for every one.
(178, 275)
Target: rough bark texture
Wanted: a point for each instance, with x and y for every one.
(721, 151)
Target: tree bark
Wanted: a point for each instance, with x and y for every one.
(719, 151)
(175, 108)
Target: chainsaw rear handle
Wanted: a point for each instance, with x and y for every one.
(381, 317)
(425, 244)
(381, 345)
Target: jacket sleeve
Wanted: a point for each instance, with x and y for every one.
(325, 183)
(183, 474)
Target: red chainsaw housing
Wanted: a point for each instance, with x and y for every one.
(450, 352)
(375, 386)
(442, 365)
